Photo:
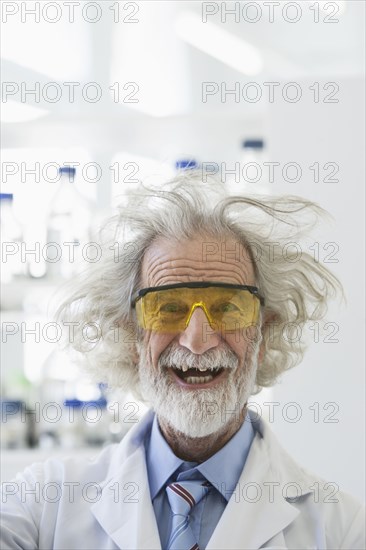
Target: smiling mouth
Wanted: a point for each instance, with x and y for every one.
(196, 376)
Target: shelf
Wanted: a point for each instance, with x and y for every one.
(24, 291)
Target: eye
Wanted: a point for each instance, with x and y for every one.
(173, 307)
(226, 307)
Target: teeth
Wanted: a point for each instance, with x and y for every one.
(184, 368)
(199, 379)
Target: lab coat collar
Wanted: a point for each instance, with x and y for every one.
(253, 515)
(124, 510)
(126, 513)
(282, 466)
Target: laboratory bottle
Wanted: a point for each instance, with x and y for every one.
(254, 173)
(11, 240)
(186, 164)
(68, 228)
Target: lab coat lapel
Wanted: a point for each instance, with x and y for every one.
(252, 518)
(125, 510)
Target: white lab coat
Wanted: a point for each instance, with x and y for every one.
(105, 503)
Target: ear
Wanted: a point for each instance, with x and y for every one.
(269, 318)
(128, 334)
(261, 353)
(132, 348)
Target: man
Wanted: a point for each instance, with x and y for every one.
(195, 279)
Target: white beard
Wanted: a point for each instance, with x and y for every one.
(201, 412)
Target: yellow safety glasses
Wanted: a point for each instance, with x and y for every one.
(169, 308)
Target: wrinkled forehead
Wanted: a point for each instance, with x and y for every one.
(202, 258)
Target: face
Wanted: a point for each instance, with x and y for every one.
(221, 365)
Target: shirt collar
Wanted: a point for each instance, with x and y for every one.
(222, 470)
(160, 459)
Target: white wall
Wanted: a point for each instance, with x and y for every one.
(330, 372)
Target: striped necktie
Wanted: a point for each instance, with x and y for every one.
(183, 496)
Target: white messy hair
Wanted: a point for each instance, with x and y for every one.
(295, 287)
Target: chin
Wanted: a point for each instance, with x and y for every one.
(198, 413)
(193, 430)
(202, 412)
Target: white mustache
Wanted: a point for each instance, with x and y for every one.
(176, 356)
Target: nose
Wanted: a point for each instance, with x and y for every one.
(199, 337)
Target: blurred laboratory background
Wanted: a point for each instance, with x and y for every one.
(96, 99)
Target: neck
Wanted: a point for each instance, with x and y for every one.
(199, 449)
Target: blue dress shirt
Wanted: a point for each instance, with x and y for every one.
(222, 470)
